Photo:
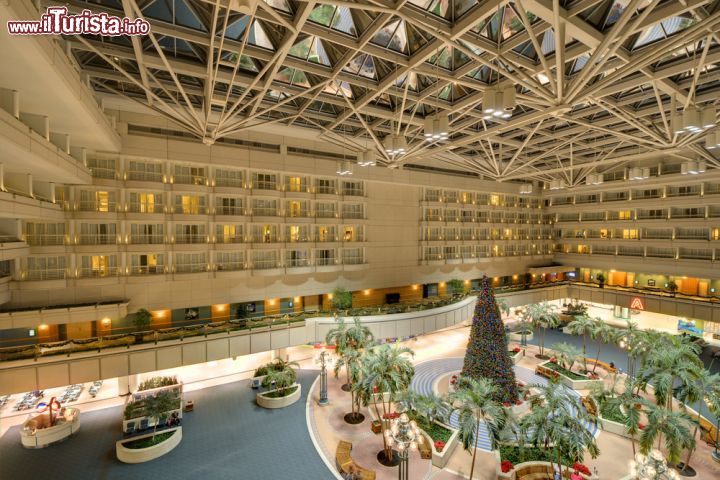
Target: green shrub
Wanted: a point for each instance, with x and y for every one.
(342, 298)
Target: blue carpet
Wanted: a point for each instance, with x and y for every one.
(226, 437)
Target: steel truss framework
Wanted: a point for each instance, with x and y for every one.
(597, 81)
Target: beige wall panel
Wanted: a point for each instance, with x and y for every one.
(260, 342)
(239, 346)
(297, 336)
(279, 339)
(141, 362)
(429, 324)
(170, 357)
(193, 353)
(82, 371)
(684, 310)
(218, 349)
(114, 366)
(403, 328)
(18, 380)
(388, 330)
(54, 375)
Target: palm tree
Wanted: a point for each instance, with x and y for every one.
(603, 333)
(476, 404)
(557, 423)
(503, 306)
(672, 427)
(566, 354)
(630, 338)
(155, 406)
(346, 339)
(355, 372)
(670, 360)
(542, 315)
(425, 409)
(386, 372)
(625, 406)
(583, 325)
(696, 392)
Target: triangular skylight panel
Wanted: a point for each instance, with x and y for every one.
(337, 18)
(393, 36)
(339, 88)
(236, 29)
(159, 11)
(292, 76)
(310, 49)
(363, 65)
(441, 8)
(548, 42)
(281, 5)
(511, 23)
(259, 37)
(411, 77)
(246, 63)
(185, 17)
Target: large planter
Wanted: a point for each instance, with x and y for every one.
(512, 474)
(268, 402)
(141, 455)
(33, 437)
(613, 427)
(516, 358)
(517, 337)
(440, 459)
(584, 384)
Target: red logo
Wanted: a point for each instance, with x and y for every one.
(637, 303)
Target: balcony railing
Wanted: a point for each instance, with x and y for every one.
(354, 260)
(191, 239)
(98, 239)
(264, 264)
(325, 261)
(297, 262)
(56, 274)
(325, 214)
(145, 208)
(190, 179)
(228, 239)
(96, 207)
(230, 266)
(147, 239)
(40, 240)
(96, 273)
(229, 210)
(229, 182)
(146, 270)
(190, 267)
(145, 176)
(265, 212)
(106, 173)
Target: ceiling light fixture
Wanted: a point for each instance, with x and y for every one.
(694, 120)
(594, 179)
(712, 140)
(437, 127)
(526, 188)
(395, 144)
(366, 158)
(557, 184)
(344, 168)
(692, 167)
(639, 173)
(246, 7)
(498, 102)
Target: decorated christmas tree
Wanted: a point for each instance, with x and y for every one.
(487, 354)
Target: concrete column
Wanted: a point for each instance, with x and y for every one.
(127, 384)
(52, 192)
(2, 177)
(279, 353)
(30, 185)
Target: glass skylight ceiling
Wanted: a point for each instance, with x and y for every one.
(427, 57)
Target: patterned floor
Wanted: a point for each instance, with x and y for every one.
(426, 373)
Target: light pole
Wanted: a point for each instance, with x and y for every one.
(405, 435)
(652, 467)
(324, 362)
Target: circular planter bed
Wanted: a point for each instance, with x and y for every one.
(144, 448)
(37, 433)
(271, 398)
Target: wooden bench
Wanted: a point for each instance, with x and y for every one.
(535, 472)
(546, 372)
(589, 405)
(346, 464)
(605, 366)
(709, 431)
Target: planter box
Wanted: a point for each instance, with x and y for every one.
(512, 475)
(516, 358)
(140, 455)
(267, 402)
(575, 384)
(613, 427)
(42, 437)
(516, 337)
(440, 459)
(256, 382)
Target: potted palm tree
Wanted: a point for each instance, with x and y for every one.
(672, 287)
(431, 412)
(666, 427)
(583, 325)
(347, 340)
(603, 334)
(600, 279)
(386, 372)
(280, 382)
(477, 406)
(141, 319)
(542, 315)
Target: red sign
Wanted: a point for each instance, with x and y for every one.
(637, 303)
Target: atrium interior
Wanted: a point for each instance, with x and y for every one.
(360, 239)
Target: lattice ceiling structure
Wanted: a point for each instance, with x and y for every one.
(596, 80)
